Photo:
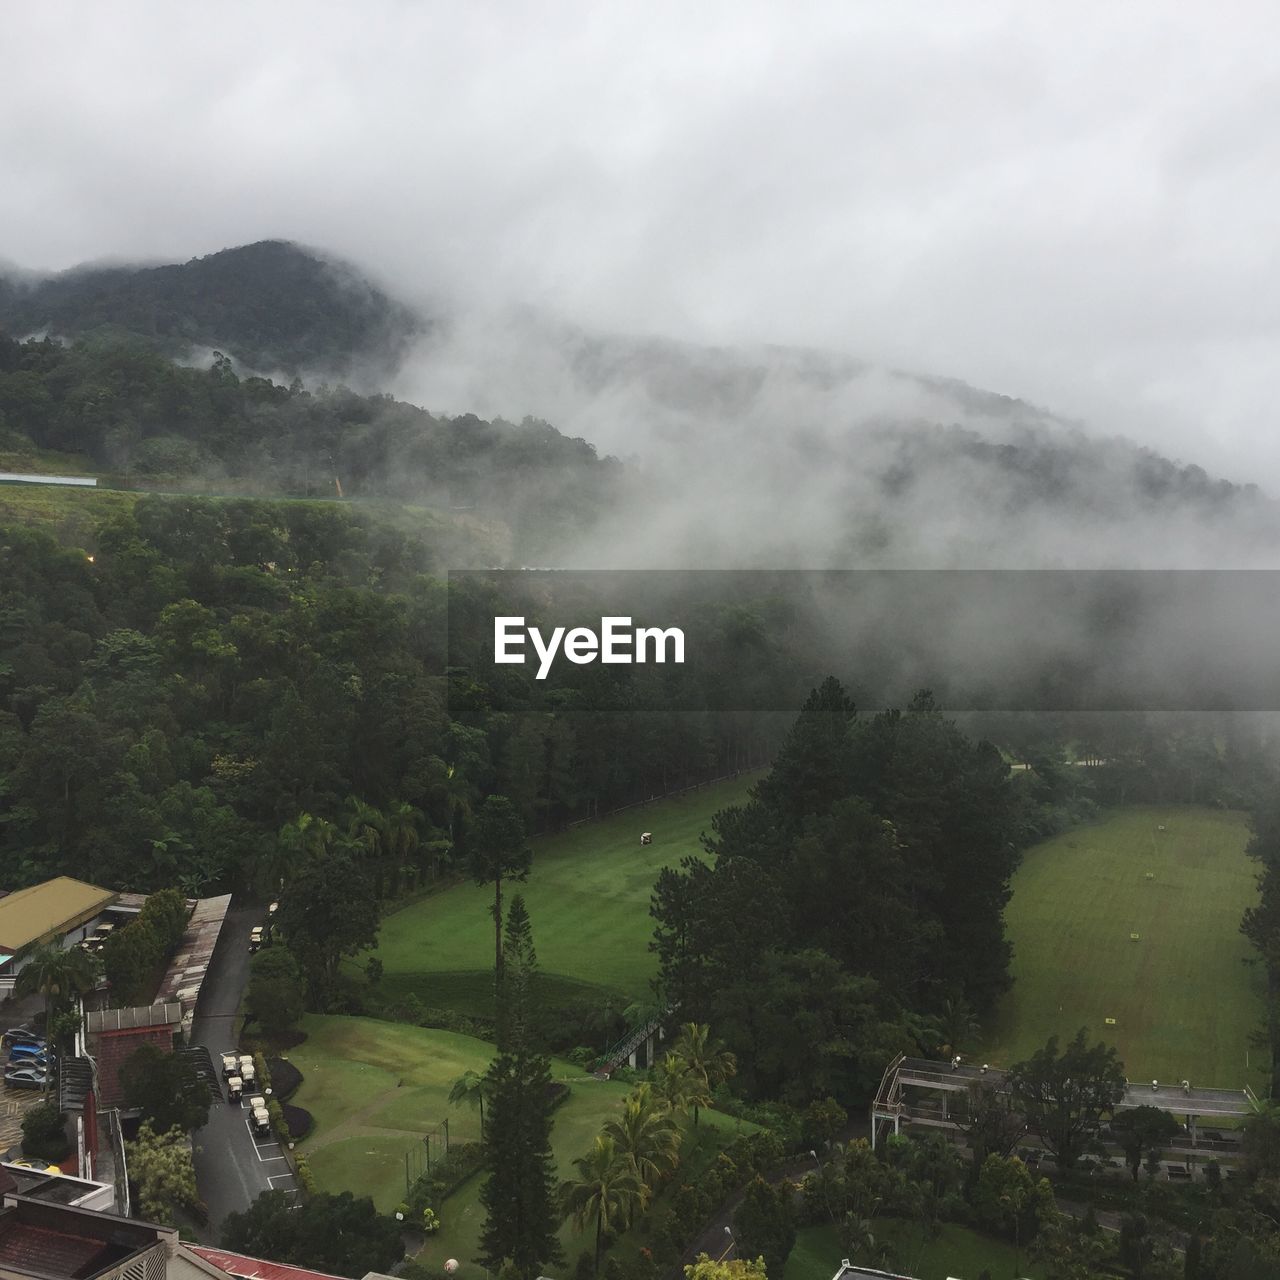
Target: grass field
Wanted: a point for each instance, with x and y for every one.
(957, 1251)
(1183, 1000)
(588, 899)
(375, 1088)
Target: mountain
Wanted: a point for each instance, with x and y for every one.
(766, 456)
(274, 306)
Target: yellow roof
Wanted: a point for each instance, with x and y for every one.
(46, 910)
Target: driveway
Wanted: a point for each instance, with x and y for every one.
(232, 1166)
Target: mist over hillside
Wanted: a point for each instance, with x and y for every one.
(785, 457)
(735, 456)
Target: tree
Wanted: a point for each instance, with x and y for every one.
(993, 1124)
(1063, 1095)
(736, 1269)
(276, 995)
(339, 1234)
(160, 1164)
(327, 911)
(646, 1136)
(1142, 1132)
(469, 1088)
(44, 1132)
(131, 959)
(166, 1088)
(167, 912)
(703, 1060)
(58, 974)
(605, 1191)
(402, 832)
(1260, 1143)
(515, 986)
(1137, 1246)
(765, 1225)
(498, 851)
(518, 1194)
(675, 1088)
(1007, 1198)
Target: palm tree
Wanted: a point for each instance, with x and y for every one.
(300, 841)
(704, 1061)
(367, 831)
(58, 974)
(469, 1088)
(957, 1023)
(646, 1137)
(606, 1189)
(400, 827)
(674, 1088)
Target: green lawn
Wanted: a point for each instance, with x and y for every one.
(1183, 1000)
(375, 1087)
(957, 1251)
(588, 899)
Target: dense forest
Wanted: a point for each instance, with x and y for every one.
(132, 413)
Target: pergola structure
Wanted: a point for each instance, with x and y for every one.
(891, 1105)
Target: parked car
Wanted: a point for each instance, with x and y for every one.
(235, 1088)
(22, 1033)
(24, 1056)
(261, 1122)
(230, 1065)
(256, 1102)
(26, 1077)
(27, 1049)
(249, 1074)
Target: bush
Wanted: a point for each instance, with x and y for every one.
(298, 1121)
(306, 1179)
(285, 1078)
(44, 1133)
(447, 1174)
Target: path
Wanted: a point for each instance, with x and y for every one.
(232, 1167)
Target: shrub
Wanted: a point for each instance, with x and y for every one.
(298, 1121)
(306, 1179)
(285, 1078)
(44, 1133)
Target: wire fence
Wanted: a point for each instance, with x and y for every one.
(421, 1158)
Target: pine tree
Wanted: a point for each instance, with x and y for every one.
(519, 1193)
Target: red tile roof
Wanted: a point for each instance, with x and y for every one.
(236, 1264)
(55, 1252)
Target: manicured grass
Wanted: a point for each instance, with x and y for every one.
(376, 1087)
(588, 898)
(1183, 1000)
(956, 1251)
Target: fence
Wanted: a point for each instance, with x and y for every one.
(422, 1157)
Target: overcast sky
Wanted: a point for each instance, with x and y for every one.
(1073, 203)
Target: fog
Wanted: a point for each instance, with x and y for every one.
(1070, 207)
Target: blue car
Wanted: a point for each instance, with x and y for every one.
(37, 1058)
(27, 1049)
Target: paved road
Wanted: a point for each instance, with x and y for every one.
(232, 1167)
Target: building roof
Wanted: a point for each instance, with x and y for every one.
(57, 1242)
(245, 1268)
(146, 1015)
(46, 910)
